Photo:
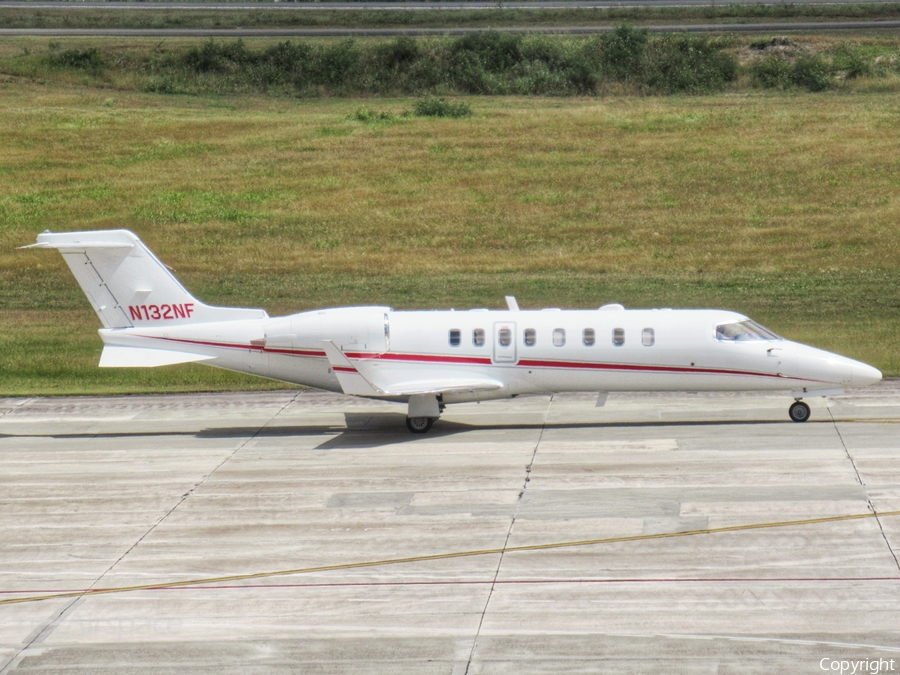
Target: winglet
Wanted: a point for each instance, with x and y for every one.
(350, 379)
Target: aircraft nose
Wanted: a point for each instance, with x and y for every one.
(862, 375)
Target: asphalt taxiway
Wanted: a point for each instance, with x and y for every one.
(298, 531)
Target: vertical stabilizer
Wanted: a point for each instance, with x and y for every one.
(128, 286)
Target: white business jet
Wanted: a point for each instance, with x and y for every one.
(429, 359)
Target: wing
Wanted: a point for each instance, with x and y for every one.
(389, 382)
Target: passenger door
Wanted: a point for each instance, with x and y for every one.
(505, 342)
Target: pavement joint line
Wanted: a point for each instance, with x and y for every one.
(41, 633)
(862, 483)
(17, 406)
(447, 556)
(512, 522)
(193, 489)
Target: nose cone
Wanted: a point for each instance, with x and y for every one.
(862, 375)
(816, 365)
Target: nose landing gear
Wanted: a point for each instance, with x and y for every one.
(799, 411)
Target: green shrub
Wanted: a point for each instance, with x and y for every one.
(215, 57)
(622, 53)
(336, 65)
(677, 64)
(807, 72)
(399, 54)
(849, 62)
(90, 59)
(772, 72)
(490, 63)
(161, 84)
(284, 63)
(368, 116)
(811, 73)
(438, 107)
(492, 51)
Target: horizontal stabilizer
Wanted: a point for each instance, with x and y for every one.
(76, 245)
(114, 356)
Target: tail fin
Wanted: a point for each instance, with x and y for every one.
(128, 286)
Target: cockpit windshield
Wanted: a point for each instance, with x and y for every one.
(744, 330)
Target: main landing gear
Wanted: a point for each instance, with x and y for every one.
(424, 409)
(419, 425)
(799, 411)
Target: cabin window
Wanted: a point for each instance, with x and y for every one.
(648, 337)
(559, 337)
(744, 330)
(478, 337)
(618, 336)
(588, 337)
(455, 337)
(504, 337)
(530, 337)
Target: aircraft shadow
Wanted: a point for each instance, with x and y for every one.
(372, 431)
(367, 430)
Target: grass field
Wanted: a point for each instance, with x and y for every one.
(784, 206)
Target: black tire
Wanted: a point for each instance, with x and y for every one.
(799, 412)
(419, 425)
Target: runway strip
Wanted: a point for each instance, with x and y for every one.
(443, 556)
(93, 497)
(414, 6)
(782, 27)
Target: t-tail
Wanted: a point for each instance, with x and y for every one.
(129, 287)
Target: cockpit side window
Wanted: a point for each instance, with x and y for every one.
(744, 330)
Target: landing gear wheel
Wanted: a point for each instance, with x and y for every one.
(799, 412)
(419, 425)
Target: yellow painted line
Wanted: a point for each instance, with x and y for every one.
(444, 556)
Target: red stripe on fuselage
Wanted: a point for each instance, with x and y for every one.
(480, 361)
(422, 358)
(234, 345)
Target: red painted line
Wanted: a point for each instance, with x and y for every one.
(207, 343)
(234, 345)
(295, 352)
(628, 580)
(423, 358)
